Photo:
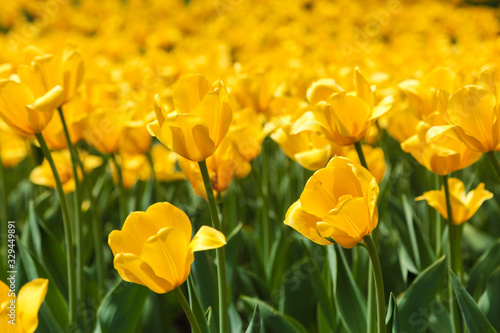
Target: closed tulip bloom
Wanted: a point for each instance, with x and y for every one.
(134, 167)
(463, 205)
(27, 304)
(25, 113)
(199, 122)
(338, 202)
(155, 249)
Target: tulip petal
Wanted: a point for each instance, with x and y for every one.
(29, 300)
(382, 107)
(305, 223)
(188, 136)
(315, 158)
(351, 113)
(50, 101)
(13, 100)
(436, 200)
(472, 109)
(216, 112)
(348, 223)
(132, 269)
(317, 197)
(168, 255)
(137, 228)
(164, 214)
(363, 89)
(322, 89)
(475, 199)
(207, 238)
(189, 91)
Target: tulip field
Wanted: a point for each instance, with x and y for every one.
(249, 166)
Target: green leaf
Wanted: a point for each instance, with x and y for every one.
(121, 308)
(474, 319)
(274, 320)
(483, 268)
(415, 307)
(489, 302)
(392, 319)
(195, 303)
(439, 321)
(57, 314)
(254, 326)
(349, 299)
(320, 290)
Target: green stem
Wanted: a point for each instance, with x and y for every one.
(96, 228)
(77, 203)
(122, 199)
(454, 255)
(4, 216)
(221, 261)
(155, 180)
(361, 155)
(494, 161)
(379, 282)
(187, 310)
(70, 255)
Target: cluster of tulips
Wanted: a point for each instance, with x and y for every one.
(310, 129)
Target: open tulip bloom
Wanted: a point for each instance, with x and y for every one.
(155, 248)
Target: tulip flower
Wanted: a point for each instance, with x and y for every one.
(46, 71)
(222, 166)
(13, 148)
(27, 304)
(199, 122)
(374, 158)
(133, 168)
(463, 205)
(104, 129)
(308, 148)
(164, 162)
(155, 248)
(42, 174)
(24, 112)
(473, 114)
(75, 114)
(444, 154)
(338, 202)
(343, 117)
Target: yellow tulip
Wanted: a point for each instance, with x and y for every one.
(25, 113)
(75, 114)
(42, 174)
(134, 167)
(199, 122)
(27, 304)
(164, 162)
(46, 71)
(339, 202)
(374, 158)
(222, 166)
(473, 113)
(155, 249)
(308, 148)
(444, 154)
(246, 133)
(104, 129)
(463, 205)
(13, 148)
(345, 118)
